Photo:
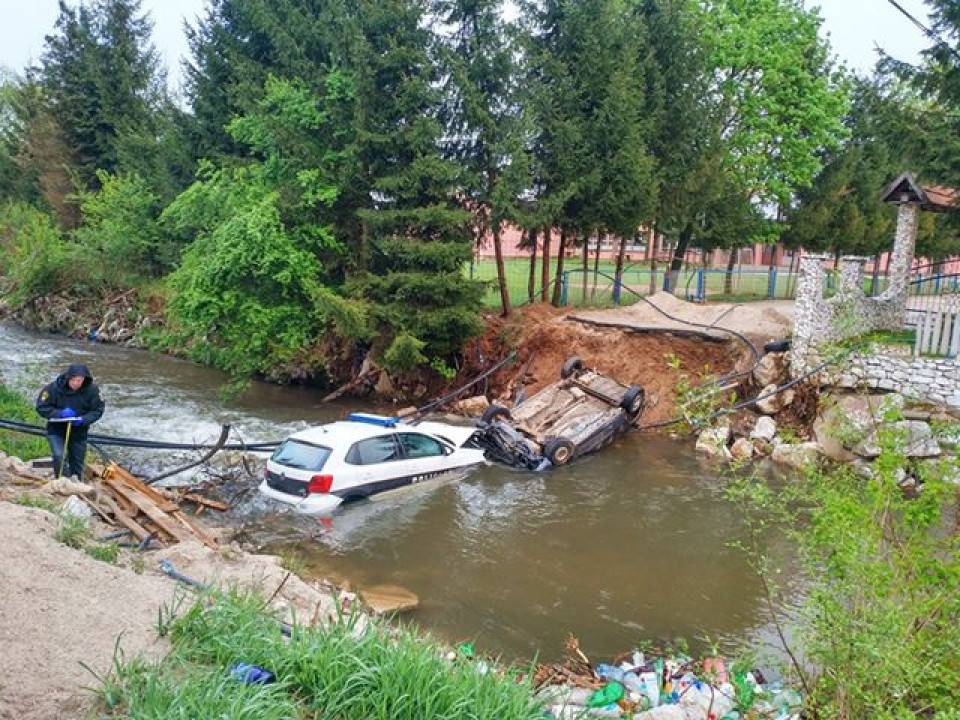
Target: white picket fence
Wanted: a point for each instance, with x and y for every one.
(937, 333)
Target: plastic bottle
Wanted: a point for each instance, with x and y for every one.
(651, 687)
(609, 672)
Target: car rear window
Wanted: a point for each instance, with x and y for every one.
(301, 455)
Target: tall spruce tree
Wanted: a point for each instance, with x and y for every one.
(412, 237)
(483, 117)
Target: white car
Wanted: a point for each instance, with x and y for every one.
(317, 469)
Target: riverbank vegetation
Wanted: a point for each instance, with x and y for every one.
(317, 193)
(876, 634)
(336, 671)
(14, 407)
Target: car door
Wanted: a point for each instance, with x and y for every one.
(424, 456)
(377, 461)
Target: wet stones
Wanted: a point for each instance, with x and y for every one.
(797, 455)
(713, 442)
(742, 449)
(765, 429)
(771, 401)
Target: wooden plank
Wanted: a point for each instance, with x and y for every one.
(200, 500)
(124, 519)
(162, 520)
(197, 531)
(118, 473)
(955, 340)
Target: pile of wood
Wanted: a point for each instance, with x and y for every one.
(151, 514)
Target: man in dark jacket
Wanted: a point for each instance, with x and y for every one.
(72, 399)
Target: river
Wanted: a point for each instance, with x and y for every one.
(631, 544)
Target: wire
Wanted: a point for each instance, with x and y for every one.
(927, 31)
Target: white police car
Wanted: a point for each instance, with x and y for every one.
(317, 469)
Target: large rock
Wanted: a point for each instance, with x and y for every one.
(771, 369)
(765, 429)
(713, 442)
(846, 428)
(915, 439)
(772, 401)
(473, 406)
(742, 449)
(389, 599)
(797, 455)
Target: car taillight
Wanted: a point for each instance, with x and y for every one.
(320, 484)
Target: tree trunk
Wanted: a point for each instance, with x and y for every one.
(501, 271)
(596, 269)
(545, 274)
(731, 264)
(561, 251)
(532, 280)
(652, 254)
(618, 273)
(586, 268)
(679, 255)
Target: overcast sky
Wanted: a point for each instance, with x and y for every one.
(855, 28)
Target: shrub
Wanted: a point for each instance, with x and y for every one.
(72, 531)
(34, 258)
(25, 447)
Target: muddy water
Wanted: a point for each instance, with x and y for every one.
(633, 543)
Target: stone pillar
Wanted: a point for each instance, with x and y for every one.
(901, 260)
(851, 275)
(809, 321)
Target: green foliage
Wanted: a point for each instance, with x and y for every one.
(404, 354)
(14, 407)
(335, 671)
(104, 552)
(72, 531)
(696, 396)
(37, 501)
(882, 577)
(120, 228)
(34, 257)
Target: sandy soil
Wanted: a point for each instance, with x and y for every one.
(60, 608)
(760, 321)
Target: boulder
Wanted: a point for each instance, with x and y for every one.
(473, 406)
(389, 599)
(713, 442)
(765, 429)
(771, 369)
(742, 449)
(77, 508)
(918, 439)
(776, 401)
(797, 455)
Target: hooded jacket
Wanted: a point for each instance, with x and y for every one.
(85, 402)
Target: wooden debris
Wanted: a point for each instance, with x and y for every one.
(144, 510)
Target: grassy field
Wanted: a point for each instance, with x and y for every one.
(382, 673)
(14, 407)
(747, 285)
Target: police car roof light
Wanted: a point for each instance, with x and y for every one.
(380, 420)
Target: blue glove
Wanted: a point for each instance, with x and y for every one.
(67, 413)
(78, 420)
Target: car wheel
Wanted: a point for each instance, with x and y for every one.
(558, 451)
(570, 366)
(493, 412)
(633, 400)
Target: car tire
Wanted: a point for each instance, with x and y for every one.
(494, 412)
(558, 451)
(570, 366)
(633, 401)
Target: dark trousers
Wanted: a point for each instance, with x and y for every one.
(76, 452)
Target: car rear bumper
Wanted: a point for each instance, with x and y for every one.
(319, 504)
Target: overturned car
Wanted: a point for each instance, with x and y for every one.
(576, 415)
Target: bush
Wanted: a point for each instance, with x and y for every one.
(34, 258)
(879, 625)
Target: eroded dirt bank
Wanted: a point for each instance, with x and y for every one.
(543, 337)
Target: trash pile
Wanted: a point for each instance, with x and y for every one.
(665, 687)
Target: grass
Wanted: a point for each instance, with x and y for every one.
(747, 285)
(380, 673)
(294, 562)
(37, 501)
(72, 531)
(104, 552)
(14, 407)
